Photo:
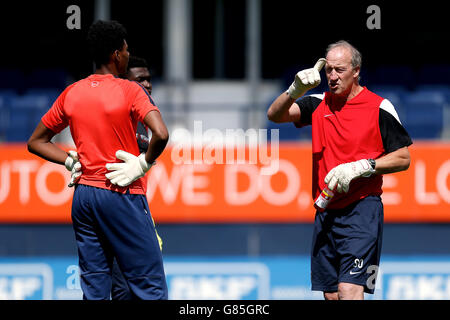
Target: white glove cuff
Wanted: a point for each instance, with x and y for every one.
(144, 164)
(368, 167)
(293, 92)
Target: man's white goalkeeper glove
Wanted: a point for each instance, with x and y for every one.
(341, 175)
(73, 164)
(306, 80)
(125, 173)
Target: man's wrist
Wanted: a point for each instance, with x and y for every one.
(372, 163)
(368, 166)
(294, 92)
(144, 164)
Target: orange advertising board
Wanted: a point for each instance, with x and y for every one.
(35, 191)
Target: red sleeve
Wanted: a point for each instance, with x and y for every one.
(142, 103)
(55, 118)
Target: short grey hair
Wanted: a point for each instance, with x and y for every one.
(356, 55)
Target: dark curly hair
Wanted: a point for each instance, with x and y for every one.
(103, 38)
(136, 62)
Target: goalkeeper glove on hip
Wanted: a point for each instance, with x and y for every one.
(125, 173)
(73, 164)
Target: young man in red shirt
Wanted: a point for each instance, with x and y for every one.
(356, 137)
(110, 213)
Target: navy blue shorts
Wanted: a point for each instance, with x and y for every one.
(108, 224)
(119, 287)
(347, 246)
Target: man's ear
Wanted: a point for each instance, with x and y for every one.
(117, 55)
(356, 72)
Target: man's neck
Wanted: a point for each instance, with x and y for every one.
(342, 99)
(107, 69)
(356, 89)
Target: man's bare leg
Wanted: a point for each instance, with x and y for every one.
(350, 291)
(331, 296)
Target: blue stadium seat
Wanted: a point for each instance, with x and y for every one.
(52, 94)
(7, 93)
(11, 79)
(364, 76)
(437, 89)
(47, 78)
(33, 101)
(19, 124)
(427, 96)
(399, 90)
(395, 94)
(434, 74)
(287, 131)
(5, 97)
(24, 113)
(393, 75)
(424, 114)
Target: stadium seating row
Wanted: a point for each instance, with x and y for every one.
(422, 112)
(16, 80)
(19, 114)
(391, 75)
(409, 77)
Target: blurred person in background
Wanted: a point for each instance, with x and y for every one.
(357, 137)
(137, 71)
(110, 213)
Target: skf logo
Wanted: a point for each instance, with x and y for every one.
(222, 281)
(26, 281)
